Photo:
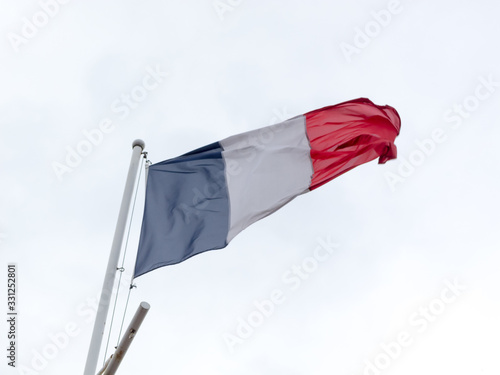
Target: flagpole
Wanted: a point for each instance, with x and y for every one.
(102, 311)
(114, 362)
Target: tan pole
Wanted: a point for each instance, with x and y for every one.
(126, 340)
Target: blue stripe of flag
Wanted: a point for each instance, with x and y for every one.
(186, 210)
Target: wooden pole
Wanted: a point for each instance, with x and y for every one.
(115, 360)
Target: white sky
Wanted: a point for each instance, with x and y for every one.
(259, 63)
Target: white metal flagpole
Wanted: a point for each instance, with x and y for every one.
(114, 256)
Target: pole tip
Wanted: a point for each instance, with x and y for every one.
(139, 142)
(145, 305)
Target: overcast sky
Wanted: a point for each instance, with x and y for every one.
(410, 282)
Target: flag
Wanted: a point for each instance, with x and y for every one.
(201, 200)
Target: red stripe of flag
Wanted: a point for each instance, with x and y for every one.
(348, 134)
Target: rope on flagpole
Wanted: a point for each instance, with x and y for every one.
(132, 285)
(122, 269)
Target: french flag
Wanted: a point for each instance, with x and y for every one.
(201, 200)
